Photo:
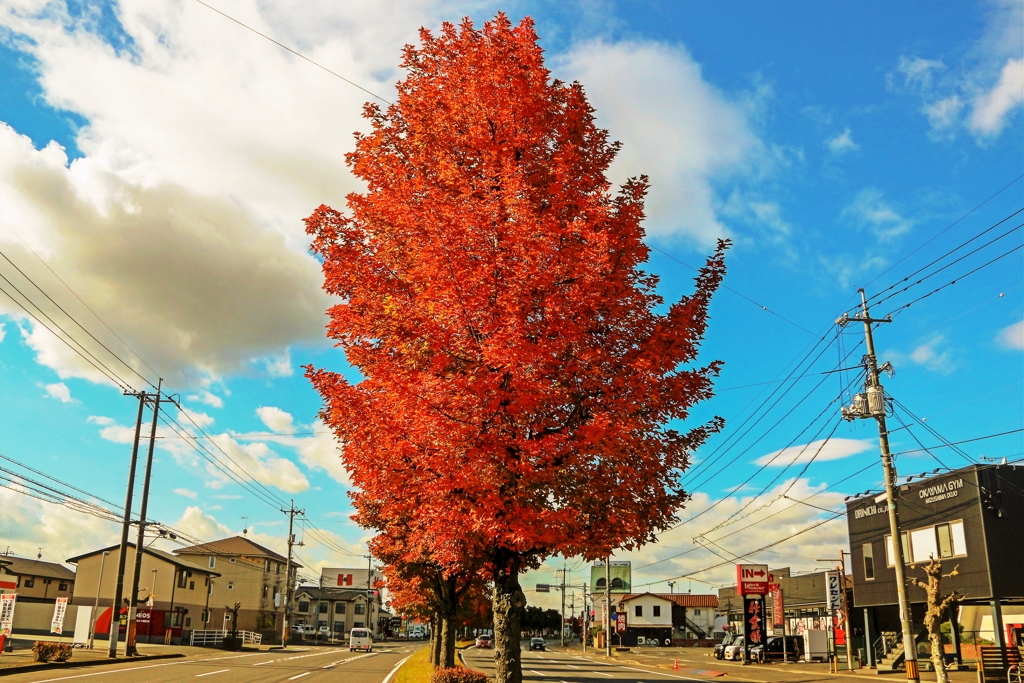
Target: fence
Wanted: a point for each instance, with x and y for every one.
(211, 638)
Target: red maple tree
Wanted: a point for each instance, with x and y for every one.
(519, 368)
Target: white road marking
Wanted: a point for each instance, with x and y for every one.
(645, 671)
(305, 673)
(210, 673)
(601, 674)
(537, 672)
(114, 671)
(395, 670)
(572, 666)
(269, 661)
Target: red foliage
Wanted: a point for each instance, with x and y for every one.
(517, 375)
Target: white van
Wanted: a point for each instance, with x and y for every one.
(360, 639)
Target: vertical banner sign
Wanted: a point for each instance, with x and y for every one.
(59, 610)
(778, 617)
(7, 613)
(832, 591)
(753, 622)
(620, 623)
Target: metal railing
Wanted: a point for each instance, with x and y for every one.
(210, 638)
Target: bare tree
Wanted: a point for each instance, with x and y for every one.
(936, 608)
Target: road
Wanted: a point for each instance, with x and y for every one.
(300, 664)
(555, 666)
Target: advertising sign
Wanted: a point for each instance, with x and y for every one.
(59, 610)
(620, 622)
(753, 621)
(752, 579)
(7, 612)
(778, 615)
(832, 588)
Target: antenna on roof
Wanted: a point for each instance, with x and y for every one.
(39, 556)
(245, 525)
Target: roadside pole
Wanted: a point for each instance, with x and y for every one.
(846, 609)
(873, 406)
(130, 647)
(608, 605)
(96, 608)
(291, 512)
(115, 608)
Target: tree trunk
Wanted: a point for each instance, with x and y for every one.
(448, 641)
(435, 640)
(508, 604)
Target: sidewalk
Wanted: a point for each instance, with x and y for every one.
(692, 661)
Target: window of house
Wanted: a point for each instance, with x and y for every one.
(324, 608)
(600, 583)
(266, 565)
(923, 544)
(182, 579)
(29, 583)
(657, 610)
(890, 558)
(63, 586)
(696, 612)
(231, 585)
(357, 624)
(869, 562)
(188, 622)
(213, 561)
(339, 607)
(232, 560)
(360, 608)
(266, 592)
(617, 583)
(304, 606)
(191, 585)
(638, 610)
(339, 627)
(278, 569)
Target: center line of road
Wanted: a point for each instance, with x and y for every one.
(572, 666)
(598, 673)
(306, 673)
(537, 672)
(269, 661)
(210, 673)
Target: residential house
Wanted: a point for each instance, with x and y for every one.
(339, 609)
(249, 574)
(172, 592)
(35, 580)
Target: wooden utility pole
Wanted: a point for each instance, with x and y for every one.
(130, 645)
(291, 512)
(871, 404)
(608, 605)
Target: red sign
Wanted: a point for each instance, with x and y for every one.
(344, 579)
(777, 614)
(620, 622)
(752, 579)
(753, 621)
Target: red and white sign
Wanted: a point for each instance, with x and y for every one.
(7, 601)
(778, 616)
(344, 579)
(752, 579)
(59, 610)
(620, 622)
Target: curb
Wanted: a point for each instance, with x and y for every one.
(46, 666)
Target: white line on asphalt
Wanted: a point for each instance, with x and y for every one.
(269, 661)
(572, 666)
(210, 673)
(537, 672)
(395, 670)
(100, 673)
(306, 673)
(601, 674)
(645, 671)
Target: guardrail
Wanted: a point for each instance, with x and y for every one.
(210, 638)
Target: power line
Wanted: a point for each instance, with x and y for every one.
(297, 54)
(953, 444)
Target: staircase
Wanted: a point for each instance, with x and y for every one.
(693, 627)
(892, 655)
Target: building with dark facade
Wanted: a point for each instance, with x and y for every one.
(972, 519)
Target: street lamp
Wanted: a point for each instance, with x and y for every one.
(96, 608)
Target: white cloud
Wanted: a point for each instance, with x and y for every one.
(186, 492)
(3, 332)
(919, 72)
(212, 400)
(319, 451)
(187, 417)
(819, 451)
(991, 108)
(842, 143)
(198, 524)
(276, 419)
(943, 115)
(1012, 337)
(931, 354)
(60, 391)
(869, 210)
(100, 420)
(675, 127)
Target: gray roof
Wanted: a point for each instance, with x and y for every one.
(165, 556)
(22, 566)
(317, 593)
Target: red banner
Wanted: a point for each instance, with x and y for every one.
(778, 616)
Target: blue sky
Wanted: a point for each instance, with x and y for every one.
(160, 158)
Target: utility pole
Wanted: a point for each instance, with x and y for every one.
(562, 613)
(608, 605)
(115, 608)
(872, 404)
(586, 619)
(129, 647)
(845, 606)
(96, 609)
(369, 593)
(291, 512)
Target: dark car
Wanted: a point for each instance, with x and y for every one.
(772, 650)
(536, 643)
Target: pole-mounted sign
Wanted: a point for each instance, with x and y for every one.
(59, 610)
(752, 579)
(832, 588)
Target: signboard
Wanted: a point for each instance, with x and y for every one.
(832, 588)
(778, 615)
(83, 622)
(343, 577)
(620, 622)
(543, 588)
(59, 610)
(753, 622)
(7, 613)
(752, 579)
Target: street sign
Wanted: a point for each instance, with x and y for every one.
(7, 613)
(59, 610)
(543, 588)
(752, 579)
(753, 622)
(620, 622)
(832, 588)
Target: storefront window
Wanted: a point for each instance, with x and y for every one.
(869, 562)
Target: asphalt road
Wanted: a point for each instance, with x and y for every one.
(299, 663)
(555, 666)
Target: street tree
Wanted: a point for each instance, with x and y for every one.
(521, 378)
(935, 612)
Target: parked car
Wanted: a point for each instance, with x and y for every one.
(537, 644)
(323, 632)
(772, 650)
(720, 647)
(483, 642)
(416, 634)
(734, 650)
(360, 639)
